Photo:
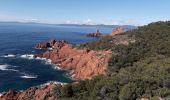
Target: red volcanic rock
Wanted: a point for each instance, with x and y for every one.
(117, 31)
(114, 32)
(33, 93)
(96, 34)
(59, 44)
(82, 63)
(10, 95)
(43, 45)
(50, 44)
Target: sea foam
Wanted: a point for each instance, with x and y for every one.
(9, 56)
(28, 76)
(27, 56)
(50, 48)
(5, 68)
(52, 82)
(49, 62)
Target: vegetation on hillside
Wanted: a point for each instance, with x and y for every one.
(140, 69)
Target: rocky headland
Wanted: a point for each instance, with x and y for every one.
(81, 63)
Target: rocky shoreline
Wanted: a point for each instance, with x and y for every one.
(81, 63)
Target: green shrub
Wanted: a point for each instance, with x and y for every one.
(140, 69)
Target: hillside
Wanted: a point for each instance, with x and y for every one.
(139, 69)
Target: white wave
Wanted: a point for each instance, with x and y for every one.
(5, 68)
(50, 48)
(62, 83)
(28, 76)
(27, 56)
(39, 58)
(9, 56)
(0, 94)
(52, 82)
(57, 67)
(49, 62)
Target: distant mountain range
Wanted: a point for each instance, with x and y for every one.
(101, 25)
(83, 25)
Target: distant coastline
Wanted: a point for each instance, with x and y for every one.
(83, 25)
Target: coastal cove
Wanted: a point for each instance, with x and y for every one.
(84, 50)
(18, 69)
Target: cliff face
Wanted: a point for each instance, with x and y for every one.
(82, 64)
(33, 93)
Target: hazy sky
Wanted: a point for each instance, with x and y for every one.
(134, 12)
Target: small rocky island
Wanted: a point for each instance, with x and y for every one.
(95, 34)
(115, 31)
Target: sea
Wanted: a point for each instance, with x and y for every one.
(18, 69)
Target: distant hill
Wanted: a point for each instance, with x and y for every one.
(126, 27)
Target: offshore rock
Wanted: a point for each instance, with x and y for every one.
(115, 31)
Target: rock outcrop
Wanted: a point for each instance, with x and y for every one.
(82, 63)
(115, 31)
(33, 93)
(95, 34)
(50, 44)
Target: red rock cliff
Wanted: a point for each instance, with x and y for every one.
(82, 63)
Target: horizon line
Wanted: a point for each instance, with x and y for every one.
(67, 23)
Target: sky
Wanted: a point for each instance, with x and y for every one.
(117, 12)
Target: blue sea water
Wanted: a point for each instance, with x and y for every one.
(18, 70)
